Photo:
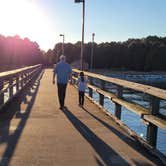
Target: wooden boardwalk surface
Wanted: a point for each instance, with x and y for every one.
(36, 132)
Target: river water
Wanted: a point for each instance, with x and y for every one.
(129, 118)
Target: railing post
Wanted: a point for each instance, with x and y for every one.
(90, 93)
(90, 90)
(29, 76)
(25, 79)
(101, 99)
(2, 94)
(17, 83)
(118, 107)
(101, 96)
(152, 129)
(22, 81)
(74, 81)
(10, 88)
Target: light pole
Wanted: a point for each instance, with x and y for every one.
(91, 65)
(63, 42)
(82, 43)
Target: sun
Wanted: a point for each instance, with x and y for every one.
(24, 18)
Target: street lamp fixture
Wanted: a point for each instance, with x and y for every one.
(78, 1)
(82, 43)
(63, 42)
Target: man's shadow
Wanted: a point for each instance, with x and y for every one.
(106, 153)
(131, 142)
(13, 111)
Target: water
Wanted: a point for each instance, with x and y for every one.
(131, 119)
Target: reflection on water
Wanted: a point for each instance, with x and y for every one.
(129, 118)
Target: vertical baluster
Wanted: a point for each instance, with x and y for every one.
(101, 96)
(90, 89)
(72, 78)
(30, 75)
(10, 88)
(22, 81)
(90, 93)
(2, 94)
(26, 78)
(118, 107)
(152, 129)
(74, 81)
(17, 83)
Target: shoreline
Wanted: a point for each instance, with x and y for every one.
(128, 72)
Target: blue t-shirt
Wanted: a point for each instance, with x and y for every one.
(82, 84)
(63, 70)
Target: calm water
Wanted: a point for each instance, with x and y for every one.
(129, 118)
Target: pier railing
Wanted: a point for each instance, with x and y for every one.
(151, 116)
(12, 82)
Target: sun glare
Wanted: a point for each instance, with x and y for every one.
(24, 18)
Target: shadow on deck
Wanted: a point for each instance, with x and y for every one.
(11, 132)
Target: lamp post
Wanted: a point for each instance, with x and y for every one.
(91, 65)
(82, 43)
(63, 42)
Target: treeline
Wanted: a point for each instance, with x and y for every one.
(15, 51)
(144, 54)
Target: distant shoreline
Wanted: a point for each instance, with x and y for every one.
(153, 78)
(128, 72)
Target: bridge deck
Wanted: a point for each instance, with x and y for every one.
(35, 132)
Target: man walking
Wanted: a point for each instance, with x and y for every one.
(63, 71)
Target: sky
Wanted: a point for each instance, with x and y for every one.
(111, 20)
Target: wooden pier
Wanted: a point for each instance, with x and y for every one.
(34, 131)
